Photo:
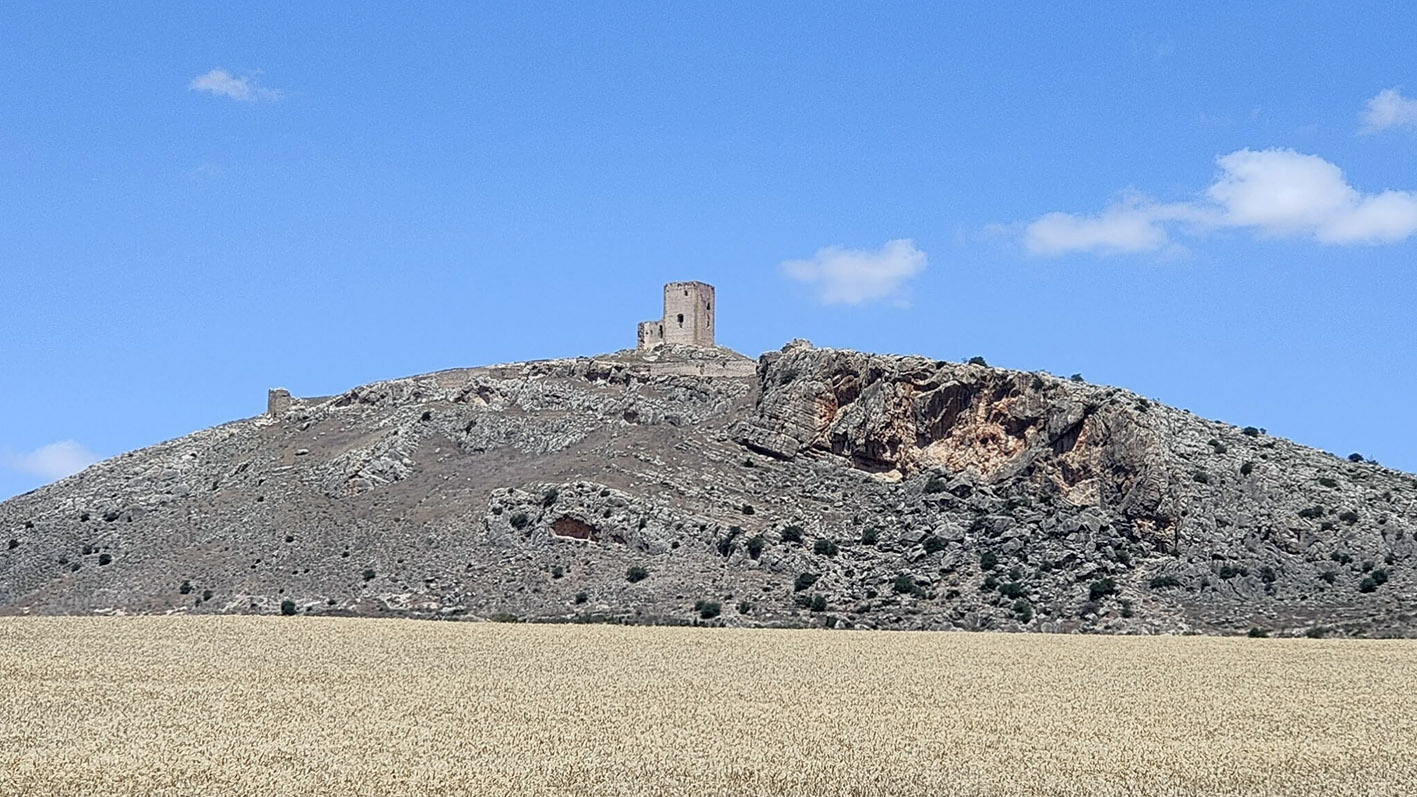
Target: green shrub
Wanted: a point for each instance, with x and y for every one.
(934, 544)
(287, 607)
(755, 545)
(744, 607)
(1368, 584)
(1023, 610)
(13, 544)
(990, 583)
(1379, 576)
(1328, 481)
(708, 609)
(186, 588)
(1355, 457)
(1317, 632)
(1011, 589)
(1250, 431)
(977, 360)
(368, 574)
(1268, 574)
(869, 537)
(1329, 576)
(1348, 516)
(1101, 588)
(1247, 468)
(549, 497)
(819, 603)
(748, 509)
(988, 560)
(1076, 378)
(935, 484)
(206, 595)
(636, 573)
(792, 534)
(825, 547)
(557, 571)
(519, 520)
(581, 597)
(1201, 476)
(1310, 512)
(903, 583)
(104, 558)
(1228, 571)
(1257, 633)
(804, 581)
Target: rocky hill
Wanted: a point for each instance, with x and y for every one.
(823, 487)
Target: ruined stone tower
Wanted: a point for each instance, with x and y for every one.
(688, 317)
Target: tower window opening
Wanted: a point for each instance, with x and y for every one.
(681, 319)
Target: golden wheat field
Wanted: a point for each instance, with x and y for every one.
(306, 706)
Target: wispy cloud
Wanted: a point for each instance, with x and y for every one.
(54, 461)
(1388, 108)
(223, 84)
(853, 276)
(1271, 193)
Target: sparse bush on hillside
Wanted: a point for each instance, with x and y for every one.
(1101, 588)
(934, 543)
(1011, 589)
(287, 607)
(104, 558)
(825, 547)
(1247, 468)
(186, 588)
(1250, 431)
(1348, 516)
(206, 595)
(869, 536)
(636, 573)
(368, 574)
(1023, 610)
(1076, 378)
(557, 571)
(12, 544)
(1257, 633)
(977, 360)
(1201, 476)
(708, 609)
(549, 497)
(791, 534)
(1355, 457)
(519, 520)
(1329, 576)
(581, 598)
(935, 484)
(755, 545)
(988, 560)
(1328, 481)
(818, 604)
(748, 509)
(744, 607)
(804, 581)
(903, 583)
(1311, 512)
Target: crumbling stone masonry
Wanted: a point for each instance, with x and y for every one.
(687, 319)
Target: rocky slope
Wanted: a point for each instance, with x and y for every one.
(826, 487)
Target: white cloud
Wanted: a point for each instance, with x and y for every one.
(1127, 227)
(853, 276)
(54, 461)
(223, 84)
(1389, 109)
(1272, 193)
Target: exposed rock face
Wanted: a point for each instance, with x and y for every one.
(824, 487)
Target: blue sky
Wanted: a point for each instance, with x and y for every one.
(1213, 207)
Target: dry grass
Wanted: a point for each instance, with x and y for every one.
(303, 706)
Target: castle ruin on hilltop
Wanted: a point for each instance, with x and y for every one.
(687, 319)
